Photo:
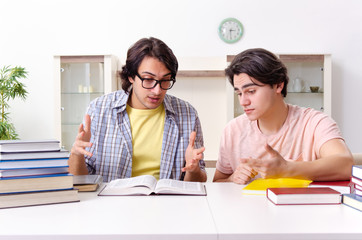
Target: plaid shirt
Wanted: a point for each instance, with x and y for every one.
(112, 138)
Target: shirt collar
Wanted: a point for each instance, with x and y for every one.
(121, 102)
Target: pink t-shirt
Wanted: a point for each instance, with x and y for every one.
(300, 138)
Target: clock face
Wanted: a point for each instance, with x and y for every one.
(230, 30)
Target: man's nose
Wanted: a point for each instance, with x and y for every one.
(244, 100)
(157, 89)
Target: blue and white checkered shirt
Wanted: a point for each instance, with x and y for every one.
(112, 138)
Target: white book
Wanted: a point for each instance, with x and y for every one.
(43, 163)
(146, 185)
(33, 155)
(7, 146)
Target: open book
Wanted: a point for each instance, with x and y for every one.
(146, 185)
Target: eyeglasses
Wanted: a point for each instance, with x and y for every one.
(150, 83)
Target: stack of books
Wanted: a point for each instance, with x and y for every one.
(354, 199)
(34, 173)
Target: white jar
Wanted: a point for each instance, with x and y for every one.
(298, 85)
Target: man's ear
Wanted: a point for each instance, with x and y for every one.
(131, 80)
(280, 87)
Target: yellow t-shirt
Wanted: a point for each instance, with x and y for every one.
(147, 133)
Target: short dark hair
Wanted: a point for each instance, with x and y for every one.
(260, 64)
(146, 47)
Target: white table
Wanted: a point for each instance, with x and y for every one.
(112, 217)
(239, 216)
(224, 214)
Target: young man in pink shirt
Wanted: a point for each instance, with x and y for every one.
(273, 138)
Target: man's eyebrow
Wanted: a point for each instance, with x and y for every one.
(246, 86)
(155, 75)
(249, 85)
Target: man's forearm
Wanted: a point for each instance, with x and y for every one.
(331, 168)
(77, 165)
(197, 176)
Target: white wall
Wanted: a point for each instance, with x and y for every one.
(31, 32)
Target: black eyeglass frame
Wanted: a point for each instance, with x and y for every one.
(172, 80)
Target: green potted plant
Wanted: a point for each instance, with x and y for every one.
(10, 88)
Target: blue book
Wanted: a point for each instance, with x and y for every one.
(353, 201)
(32, 172)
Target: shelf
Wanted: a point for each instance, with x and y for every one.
(200, 73)
(302, 58)
(82, 59)
(71, 124)
(83, 93)
(292, 58)
(305, 92)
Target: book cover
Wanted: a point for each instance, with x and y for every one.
(38, 198)
(353, 201)
(36, 183)
(32, 172)
(343, 187)
(16, 146)
(259, 186)
(146, 185)
(33, 155)
(303, 196)
(34, 163)
(87, 183)
(357, 171)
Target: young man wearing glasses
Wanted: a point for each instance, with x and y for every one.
(140, 129)
(273, 138)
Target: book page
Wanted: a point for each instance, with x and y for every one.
(142, 185)
(171, 186)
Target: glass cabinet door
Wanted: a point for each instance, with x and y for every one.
(309, 82)
(80, 84)
(306, 83)
(78, 79)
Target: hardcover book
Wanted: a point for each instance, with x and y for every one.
(32, 172)
(146, 185)
(33, 155)
(34, 163)
(36, 183)
(292, 196)
(357, 171)
(259, 186)
(353, 201)
(87, 183)
(343, 187)
(356, 181)
(358, 192)
(17, 146)
(38, 198)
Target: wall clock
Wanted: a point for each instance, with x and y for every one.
(230, 30)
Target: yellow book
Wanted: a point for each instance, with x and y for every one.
(259, 186)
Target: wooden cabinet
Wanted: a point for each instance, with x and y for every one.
(78, 80)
